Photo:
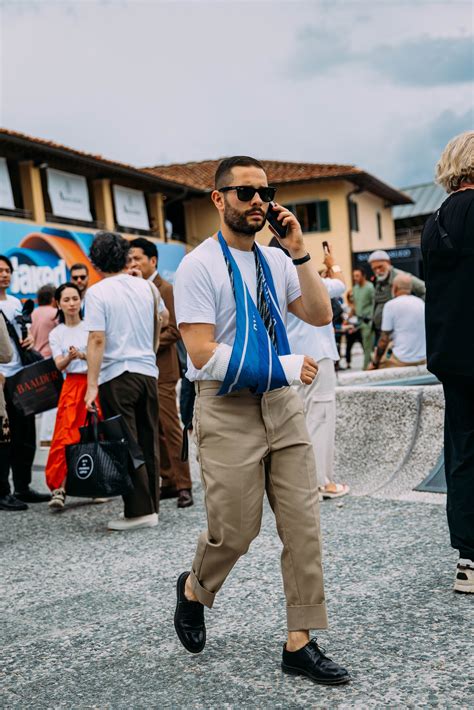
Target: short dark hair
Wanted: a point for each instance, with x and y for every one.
(7, 262)
(57, 296)
(224, 169)
(76, 267)
(109, 252)
(45, 294)
(148, 247)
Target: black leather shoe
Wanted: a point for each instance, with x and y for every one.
(185, 498)
(311, 662)
(9, 502)
(189, 619)
(168, 492)
(32, 496)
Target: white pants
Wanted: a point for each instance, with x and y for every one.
(319, 399)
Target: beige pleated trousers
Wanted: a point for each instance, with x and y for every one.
(249, 444)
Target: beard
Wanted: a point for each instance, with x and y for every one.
(238, 222)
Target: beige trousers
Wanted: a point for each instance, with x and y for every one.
(249, 444)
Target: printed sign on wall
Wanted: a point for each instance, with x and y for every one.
(130, 208)
(69, 195)
(41, 255)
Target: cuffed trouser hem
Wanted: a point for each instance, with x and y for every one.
(205, 597)
(302, 618)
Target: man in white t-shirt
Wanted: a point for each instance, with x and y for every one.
(121, 315)
(402, 341)
(19, 454)
(250, 443)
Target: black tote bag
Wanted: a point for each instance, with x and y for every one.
(35, 388)
(97, 468)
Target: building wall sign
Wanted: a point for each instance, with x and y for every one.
(130, 208)
(6, 194)
(42, 255)
(69, 195)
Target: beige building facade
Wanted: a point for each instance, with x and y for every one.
(374, 228)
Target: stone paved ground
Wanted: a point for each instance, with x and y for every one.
(87, 616)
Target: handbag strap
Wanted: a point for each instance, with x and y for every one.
(156, 321)
(92, 421)
(14, 336)
(441, 230)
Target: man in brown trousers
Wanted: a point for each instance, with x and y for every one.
(232, 300)
(175, 474)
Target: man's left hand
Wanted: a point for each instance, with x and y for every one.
(91, 396)
(293, 241)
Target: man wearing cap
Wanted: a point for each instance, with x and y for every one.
(384, 274)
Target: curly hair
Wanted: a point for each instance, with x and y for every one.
(109, 252)
(456, 164)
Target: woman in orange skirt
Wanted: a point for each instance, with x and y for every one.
(68, 342)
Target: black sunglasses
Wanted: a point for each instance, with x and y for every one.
(246, 192)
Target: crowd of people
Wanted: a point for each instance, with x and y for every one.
(261, 329)
(99, 337)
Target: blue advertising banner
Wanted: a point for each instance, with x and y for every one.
(42, 255)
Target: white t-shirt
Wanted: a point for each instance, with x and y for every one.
(11, 307)
(318, 342)
(122, 306)
(404, 316)
(203, 292)
(62, 337)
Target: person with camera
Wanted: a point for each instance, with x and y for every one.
(22, 447)
(232, 298)
(448, 255)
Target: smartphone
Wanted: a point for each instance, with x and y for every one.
(272, 220)
(326, 248)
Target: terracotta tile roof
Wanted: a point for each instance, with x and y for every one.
(45, 144)
(200, 175)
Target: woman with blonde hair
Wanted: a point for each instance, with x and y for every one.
(448, 252)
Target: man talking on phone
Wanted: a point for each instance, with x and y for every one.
(232, 298)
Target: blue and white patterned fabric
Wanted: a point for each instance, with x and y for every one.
(260, 332)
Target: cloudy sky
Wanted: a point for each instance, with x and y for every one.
(383, 84)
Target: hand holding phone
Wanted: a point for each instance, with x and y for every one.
(272, 220)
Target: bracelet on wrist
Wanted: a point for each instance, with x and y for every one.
(302, 260)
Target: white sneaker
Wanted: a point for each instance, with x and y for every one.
(142, 521)
(58, 498)
(99, 501)
(464, 581)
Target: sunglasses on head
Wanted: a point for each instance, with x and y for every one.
(246, 192)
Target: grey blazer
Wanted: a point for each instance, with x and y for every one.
(6, 354)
